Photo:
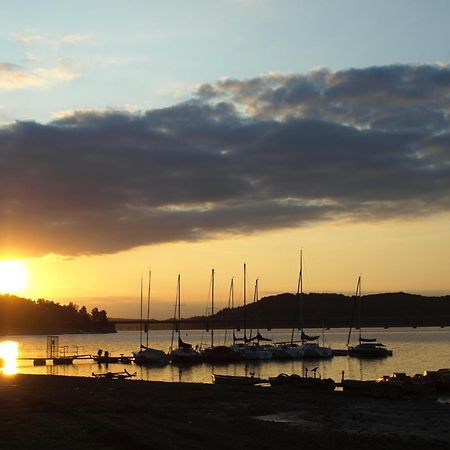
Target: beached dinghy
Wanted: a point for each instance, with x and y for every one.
(114, 375)
(237, 379)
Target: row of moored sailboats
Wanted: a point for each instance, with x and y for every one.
(250, 346)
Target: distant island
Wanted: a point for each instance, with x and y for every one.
(325, 310)
(23, 316)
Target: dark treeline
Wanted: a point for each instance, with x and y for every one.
(22, 316)
(337, 310)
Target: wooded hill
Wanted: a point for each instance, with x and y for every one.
(337, 310)
(22, 316)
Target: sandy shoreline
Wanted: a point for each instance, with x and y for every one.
(41, 411)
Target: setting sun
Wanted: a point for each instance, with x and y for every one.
(9, 351)
(12, 277)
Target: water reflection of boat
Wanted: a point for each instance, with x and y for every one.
(367, 347)
(147, 355)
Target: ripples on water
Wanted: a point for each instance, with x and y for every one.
(415, 350)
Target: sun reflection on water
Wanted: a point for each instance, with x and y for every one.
(9, 350)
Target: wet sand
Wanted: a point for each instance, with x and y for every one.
(49, 412)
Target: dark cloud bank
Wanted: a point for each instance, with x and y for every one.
(241, 156)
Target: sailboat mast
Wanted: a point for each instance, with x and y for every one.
(297, 299)
(245, 303)
(300, 280)
(358, 285)
(230, 305)
(255, 300)
(212, 308)
(179, 305)
(141, 324)
(148, 303)
(176, 326)
(360, 308)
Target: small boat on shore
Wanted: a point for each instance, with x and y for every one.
(430, 381)
(114, 375)
(237, 380)
(303, 382)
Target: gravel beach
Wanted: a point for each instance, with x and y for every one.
(51, 412)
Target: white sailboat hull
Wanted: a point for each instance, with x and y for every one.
(315, 351)
(254, 352)
(287, 351)
(187, 355)
(150, 356)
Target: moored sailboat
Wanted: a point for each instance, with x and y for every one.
(184, 353)
(147, 355)
(253, 348)
(310, 344)
(367, 347)
(219, 353)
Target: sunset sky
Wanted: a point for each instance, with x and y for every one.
(185, 136)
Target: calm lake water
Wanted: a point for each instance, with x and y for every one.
(414, 350)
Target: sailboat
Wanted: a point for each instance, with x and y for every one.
(367, 347)
(253, 349)
(146, 355)
(239, 342)
(184, 353)
(219, 353)
(291, 349)
(309, 344)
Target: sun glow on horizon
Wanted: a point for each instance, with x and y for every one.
(13, 277)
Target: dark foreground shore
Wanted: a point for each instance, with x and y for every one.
(49, 412)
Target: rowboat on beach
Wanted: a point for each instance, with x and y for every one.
(303, 382)
(114, 375)
(237, 380)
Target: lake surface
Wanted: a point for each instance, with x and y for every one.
(414, 350)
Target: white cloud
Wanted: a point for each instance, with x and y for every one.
(31, 57)
(77, 38)
(14, 77)
(63, 71)
(27, 37)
